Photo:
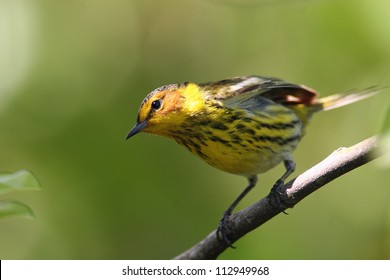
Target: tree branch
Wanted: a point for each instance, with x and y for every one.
(336, 164)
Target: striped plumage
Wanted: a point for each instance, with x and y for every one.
(244, 125)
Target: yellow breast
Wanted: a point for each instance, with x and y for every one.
(239, 142)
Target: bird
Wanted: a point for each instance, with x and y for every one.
(242, 125)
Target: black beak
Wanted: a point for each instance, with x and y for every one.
(137, 128)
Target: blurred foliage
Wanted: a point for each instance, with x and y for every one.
(17, 181)
(73, 74)
(11, 208)
(20, 180)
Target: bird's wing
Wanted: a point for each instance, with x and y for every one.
(240, 91)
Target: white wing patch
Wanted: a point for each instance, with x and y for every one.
(245, 83)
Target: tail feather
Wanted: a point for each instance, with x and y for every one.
(338, 100)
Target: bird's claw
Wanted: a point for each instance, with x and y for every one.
(276, 197)
(222, 229)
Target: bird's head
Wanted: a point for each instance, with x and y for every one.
(164, 109)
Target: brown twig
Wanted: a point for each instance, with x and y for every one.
(336, 164)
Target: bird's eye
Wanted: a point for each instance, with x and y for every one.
(156, 104)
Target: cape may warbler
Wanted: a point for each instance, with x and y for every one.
(244, 125)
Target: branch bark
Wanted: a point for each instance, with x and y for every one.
(336, 164)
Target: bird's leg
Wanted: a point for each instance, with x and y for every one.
(275, 194)
(223, 226)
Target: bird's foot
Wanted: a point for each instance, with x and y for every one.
(276, 197)
(223, 229)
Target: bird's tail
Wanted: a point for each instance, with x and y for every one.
(338, 100)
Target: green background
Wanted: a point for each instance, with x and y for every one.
(73, 74)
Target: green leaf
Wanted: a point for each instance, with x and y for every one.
(11, 208)
(20, 180)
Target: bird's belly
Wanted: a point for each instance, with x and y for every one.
(246, 147)
(240, 161)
